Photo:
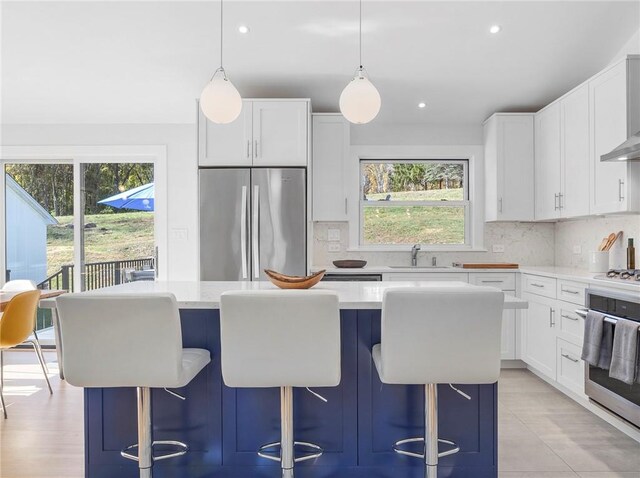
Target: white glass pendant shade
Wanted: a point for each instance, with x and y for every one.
(360, 101)
(220, 100)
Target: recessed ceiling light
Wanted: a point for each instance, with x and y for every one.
(495, 29)
(243, 29)
(422, 105)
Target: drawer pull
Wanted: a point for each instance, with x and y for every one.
(569, 317)
(567, 356)
(575, 292)
(492, 281)
(537, 285)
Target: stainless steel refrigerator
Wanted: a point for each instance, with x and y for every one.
(252, 219)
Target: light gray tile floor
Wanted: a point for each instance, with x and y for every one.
(545, 434)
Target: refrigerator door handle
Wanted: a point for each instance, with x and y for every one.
(255, 232)
(243, 232)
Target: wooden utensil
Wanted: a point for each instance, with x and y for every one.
(603, 243)
(613, 241)
(610, 238)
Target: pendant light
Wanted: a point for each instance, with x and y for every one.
(219, 100)
(360, 101)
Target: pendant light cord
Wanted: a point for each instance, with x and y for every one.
(221, 23)
(360, 34)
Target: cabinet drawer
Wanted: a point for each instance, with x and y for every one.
(570, 291)
(494, 279)
(571, 324)
(539, 285)
(570, 371)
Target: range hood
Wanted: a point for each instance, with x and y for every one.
(627, 151)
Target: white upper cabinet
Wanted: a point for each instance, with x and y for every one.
(267, 133)
(508, 155)
(614, 96)
(225, 144)
(331, 142)
(574, 119)
(280, 133)
(547, 163)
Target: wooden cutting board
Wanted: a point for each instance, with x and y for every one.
(486, 265)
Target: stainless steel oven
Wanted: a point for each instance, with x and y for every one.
(618, 397)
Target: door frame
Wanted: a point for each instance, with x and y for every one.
(75, 155)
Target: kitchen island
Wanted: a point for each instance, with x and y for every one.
(357, 426)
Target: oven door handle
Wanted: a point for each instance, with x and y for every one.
(582, 312)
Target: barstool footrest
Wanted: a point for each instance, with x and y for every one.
(182, 449)
(316, 453)
(400, 451)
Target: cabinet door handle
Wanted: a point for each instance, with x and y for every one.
(555, 202)
(537, 285)
(560, 205)
(492, 281)
(574, 292)
(620, 190)
(255, 143)
(575, 319)
(248, 147)
(346, 208)
(567, 356)
(552, 314)
(500, 205)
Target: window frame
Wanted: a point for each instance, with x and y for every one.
(465, 203)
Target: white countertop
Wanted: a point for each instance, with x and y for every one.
(581, 275)
(352, 295)
(389, 269)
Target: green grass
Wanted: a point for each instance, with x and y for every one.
(413, 225)
(116, 236)
(430, 195)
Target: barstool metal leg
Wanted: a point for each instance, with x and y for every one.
(145, 433)
(431, 430)
(286, 431)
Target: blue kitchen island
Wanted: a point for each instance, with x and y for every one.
(357, 427)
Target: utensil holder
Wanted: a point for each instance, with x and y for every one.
(598, 261)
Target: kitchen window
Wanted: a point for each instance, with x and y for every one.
(414, 202)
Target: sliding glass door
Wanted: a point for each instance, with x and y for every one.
(117, 242)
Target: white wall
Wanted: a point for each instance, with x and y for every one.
(416, 134)
(180, 141)
(632, 47)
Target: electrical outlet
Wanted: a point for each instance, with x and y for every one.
(334, 247)
(333, 235)
(498, 248)
(577, 249)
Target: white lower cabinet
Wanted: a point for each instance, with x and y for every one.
(508, 343)
(570, 372)
(427, 276)
(539, 334)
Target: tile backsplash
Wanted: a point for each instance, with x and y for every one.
(585, 235)
(524, 243)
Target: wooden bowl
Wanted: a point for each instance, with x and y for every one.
(294, 282)
(350, 264)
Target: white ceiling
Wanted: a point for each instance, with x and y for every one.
(146, 62)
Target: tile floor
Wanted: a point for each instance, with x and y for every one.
(543, 434)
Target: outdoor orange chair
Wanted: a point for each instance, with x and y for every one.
(16, 325)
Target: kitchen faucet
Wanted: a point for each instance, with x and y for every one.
(414, 254)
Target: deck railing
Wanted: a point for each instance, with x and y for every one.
(96, 276)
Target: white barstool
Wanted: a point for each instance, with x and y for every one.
(433, 335)
(129, 341)
(285, 339)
